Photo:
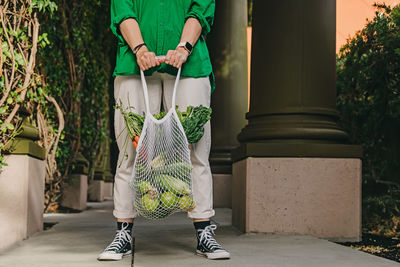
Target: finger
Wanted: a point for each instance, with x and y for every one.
(177, 61)
(141, 66)
(146, 63)
(152, 59)
(149, 62)
(173, 58)
(143, 63)
(183, 60)
(168, 56)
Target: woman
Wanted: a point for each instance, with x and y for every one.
(177, 29)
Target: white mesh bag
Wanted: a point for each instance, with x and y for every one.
(162, 169)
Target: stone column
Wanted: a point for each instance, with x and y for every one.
(294, 172)
(228, 51)
(22, 184)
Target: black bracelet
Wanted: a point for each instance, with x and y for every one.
(136, 49)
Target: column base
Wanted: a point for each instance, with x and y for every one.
(295, 148)
(75, 193)
(313, 196)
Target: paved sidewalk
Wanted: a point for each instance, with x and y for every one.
(78, 238)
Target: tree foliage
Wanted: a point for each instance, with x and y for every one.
(56, 66)
(77, 68)
(20, 83)
(368, 86)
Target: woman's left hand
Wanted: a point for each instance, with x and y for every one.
(176, 57)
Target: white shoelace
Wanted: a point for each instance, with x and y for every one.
(207, 237)
(121, 237)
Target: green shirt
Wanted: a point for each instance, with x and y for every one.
(161, 23)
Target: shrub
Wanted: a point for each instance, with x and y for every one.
(368, 87)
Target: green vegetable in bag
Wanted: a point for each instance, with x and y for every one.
(179, 167)
(186, 203)
(172, 184)
(193, 121)
(159, 161)
(168, 200)
(150, 203)
(134, 122)
(144, 187)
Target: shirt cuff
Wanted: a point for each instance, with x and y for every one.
(203, 21)
(117, 21)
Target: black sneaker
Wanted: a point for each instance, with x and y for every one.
(207, 245)
(120, 246)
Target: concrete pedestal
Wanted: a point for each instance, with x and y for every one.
(21, 198)
(108, 189)
(312, 196)
(96, 191)
(75, 193)
(222, 190)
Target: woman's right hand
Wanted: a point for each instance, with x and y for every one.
(146, 59)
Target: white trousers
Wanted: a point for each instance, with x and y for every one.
(191, 92)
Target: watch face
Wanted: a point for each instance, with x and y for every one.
(189, 46)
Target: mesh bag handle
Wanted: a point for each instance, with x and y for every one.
(146, 93)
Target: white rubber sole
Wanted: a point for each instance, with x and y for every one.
(108, 256)
(218, 255)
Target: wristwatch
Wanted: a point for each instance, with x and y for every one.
(187, 46)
